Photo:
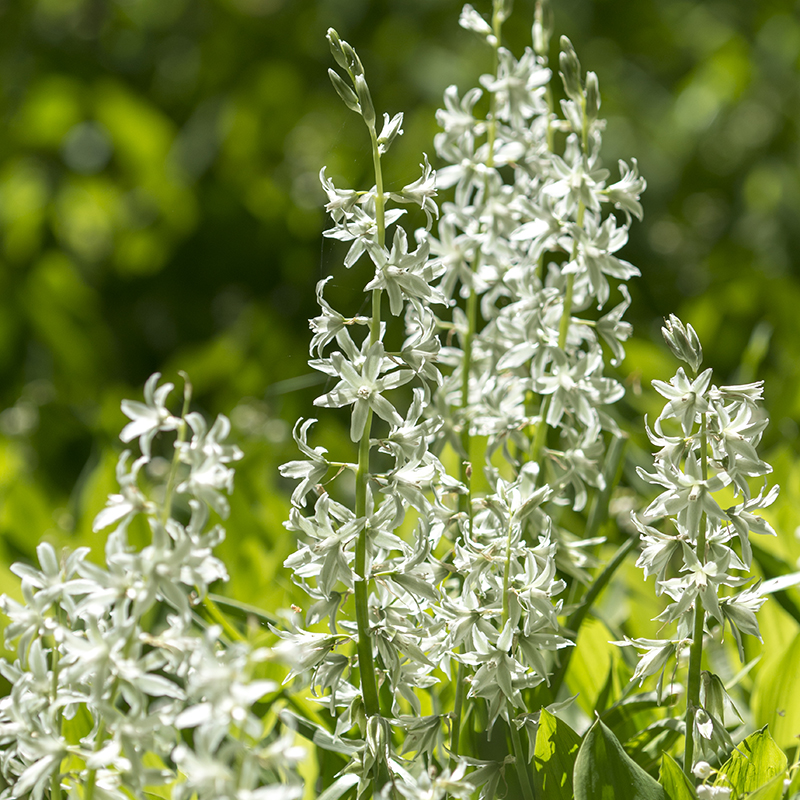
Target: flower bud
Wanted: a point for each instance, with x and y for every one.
(592, 96)
(570, 70)
(344, 91)
(683, 341)
(365, 100)
(336, 48)
(502, 8)
(542, 28)
(353, 61)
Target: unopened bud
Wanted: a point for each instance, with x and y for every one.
(365, 99)
(570, 70)
(502, 8)
(542, 28)
(336, 48)
(592, 96)
(344, 91)
(353, 61)
(683, 341)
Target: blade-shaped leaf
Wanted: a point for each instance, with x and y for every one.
(776, 701)
(754, 762)
(770, 791)
(591, 661)
(604, 771)
(674, 780)
(554, 757)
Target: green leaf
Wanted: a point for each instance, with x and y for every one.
(592, 659)
(674, 780)
(776, 700)
(554, 758)
(754, 762)
(770, 791)
(604, 771)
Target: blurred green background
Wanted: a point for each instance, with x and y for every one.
(160, 210)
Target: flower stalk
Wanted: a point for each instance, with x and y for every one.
(707, 438)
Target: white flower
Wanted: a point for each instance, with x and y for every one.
(150, 417)
(363, 391)
(706, 792)
(702, 770)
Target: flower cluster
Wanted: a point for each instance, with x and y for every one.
(370, 670)
(530, 242)
(487, 607)
(706, 438)
(114, 663)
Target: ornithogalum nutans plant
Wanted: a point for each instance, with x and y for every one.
(450, 555)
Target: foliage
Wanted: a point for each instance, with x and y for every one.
(462, 536)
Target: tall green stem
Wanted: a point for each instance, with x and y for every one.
(366, 663)
(55, 778)
(91, 778)
(466, 367)
(696, 651)
(166, 507)
(506, 576)
(461, 680)
(520, 761)
(563, 331)
(566, 315)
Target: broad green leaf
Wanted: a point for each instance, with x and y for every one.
(770, 791)
(674, 780)
(776, 700)
(754, 762)
(554, 758)
(604, 771)
(590, 664)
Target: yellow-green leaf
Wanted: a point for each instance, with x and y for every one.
(554, 757)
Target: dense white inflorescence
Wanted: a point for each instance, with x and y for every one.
(419, 576)
(114, 663)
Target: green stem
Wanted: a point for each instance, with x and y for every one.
(55, 779)
(166, 508)
(491, 134)
(519, 759)
(461, 680)
(91, 778)
(366, 663)
(221, 620)
(380, 197)
(458, 710)
(466, 365)
(506, 577)
(550, 115)
(563, 331)
(696, 651)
